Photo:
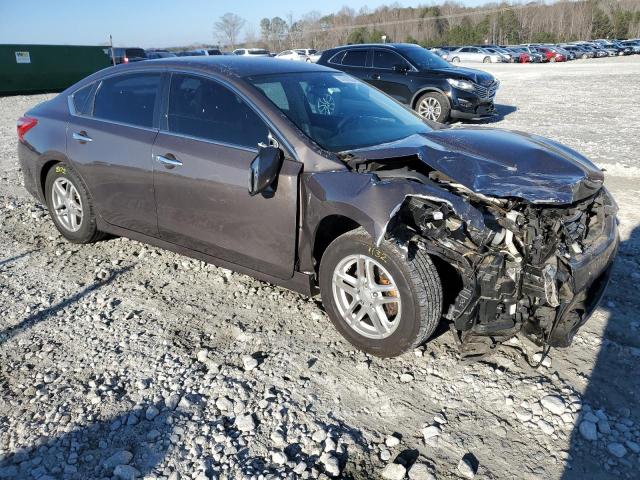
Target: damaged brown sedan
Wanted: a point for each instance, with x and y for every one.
(308, 178)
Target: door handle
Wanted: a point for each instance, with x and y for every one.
(168, 161)
(82, 137)
(375, 76)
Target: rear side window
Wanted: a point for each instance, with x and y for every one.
(135, 53)
(387, 60)
(205, 109)
(81, 100)
(355, 58)
(128, 99)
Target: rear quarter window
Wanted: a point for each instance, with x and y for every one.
(81, 102)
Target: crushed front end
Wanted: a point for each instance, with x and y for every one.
(536, 269)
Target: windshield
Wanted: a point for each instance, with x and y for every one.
(337, 111)
(423, 59)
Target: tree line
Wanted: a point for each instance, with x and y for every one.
(447, 24)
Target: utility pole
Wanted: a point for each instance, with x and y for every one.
(113, 58)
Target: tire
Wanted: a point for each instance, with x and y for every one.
(455, 60)
(552, 60)
(486, 60)
(83, 229)
(422, 107)
(418, 288)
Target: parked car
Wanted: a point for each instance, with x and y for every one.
(252, 52)
(633, 44)
(578, 51)
(126, 55)
(298, 54)
(524, 56)
(418, 78)
(193, 53)
(152, 54)
(397, 224)
(444, 54)
(314, 57)
(474, 54)
(537, 55)
(507, 57)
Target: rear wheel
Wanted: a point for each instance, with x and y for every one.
(433, 106)
(70, 205)
(455, 59)
(380, 300)
(486, 60)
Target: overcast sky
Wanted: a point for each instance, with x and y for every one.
(148, 23)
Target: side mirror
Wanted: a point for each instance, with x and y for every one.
(264, 169)
(400, 68)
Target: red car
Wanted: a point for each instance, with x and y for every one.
(524, 58)
(551, 55)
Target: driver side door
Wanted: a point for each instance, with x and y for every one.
(209, 137)
(394, 83)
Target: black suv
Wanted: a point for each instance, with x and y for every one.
(416, 77)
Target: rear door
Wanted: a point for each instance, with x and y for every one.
(355, 62)
(383, 76)
(110, 143)
(209, 138)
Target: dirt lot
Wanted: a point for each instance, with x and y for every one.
(122, 360)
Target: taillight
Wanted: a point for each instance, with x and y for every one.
(24, 125)
(126, 60)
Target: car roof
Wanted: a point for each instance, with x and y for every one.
(230, 65)
(393, 46)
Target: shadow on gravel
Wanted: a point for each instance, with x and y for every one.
(613, 393)
(42, 315)
(501, 112)
(129, 445)
(5, 261)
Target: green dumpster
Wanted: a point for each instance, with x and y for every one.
(43, 68)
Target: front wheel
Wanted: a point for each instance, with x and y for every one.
(433, 106)
(486, 60)
(455, 60)
(382, 300)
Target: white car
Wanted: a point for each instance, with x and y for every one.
(298, 54)
(252, 52)
(474, 54)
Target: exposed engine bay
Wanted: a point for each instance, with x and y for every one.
(539, 269)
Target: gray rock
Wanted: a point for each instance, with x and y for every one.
(431, 431)
(406, 378)
(604, 427)
(419, 471)
(633, 446)
(523, 414)
(172, 401)
(245, 423)
(588, 430)
(554, 404)
(224, 404)
(546, 427)
(394, 471)
(278, 458)
(319, 436)
(249, 363)
(331, 465)
(617, 449)
(151, 413)
(465, 468)
(392, 441)
(125, 472)
(122, 457)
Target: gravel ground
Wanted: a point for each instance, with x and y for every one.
(120, 360)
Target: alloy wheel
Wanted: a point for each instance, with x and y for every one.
(430, 109)
(326, 104)
(67, 204)
(367, 297)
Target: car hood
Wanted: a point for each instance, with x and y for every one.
(498, 163)
(476, 76)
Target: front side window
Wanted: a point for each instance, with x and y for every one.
(203, 108)
(337, 111)
(127, 98)
(387, 60)
(355, 58)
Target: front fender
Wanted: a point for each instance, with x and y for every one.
(372, 202)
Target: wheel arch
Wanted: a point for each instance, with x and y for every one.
(328, 229)
(422, 91)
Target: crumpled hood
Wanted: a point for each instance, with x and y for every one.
(476, 76)
(499, 163)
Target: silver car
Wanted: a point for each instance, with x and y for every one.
(474, 54)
